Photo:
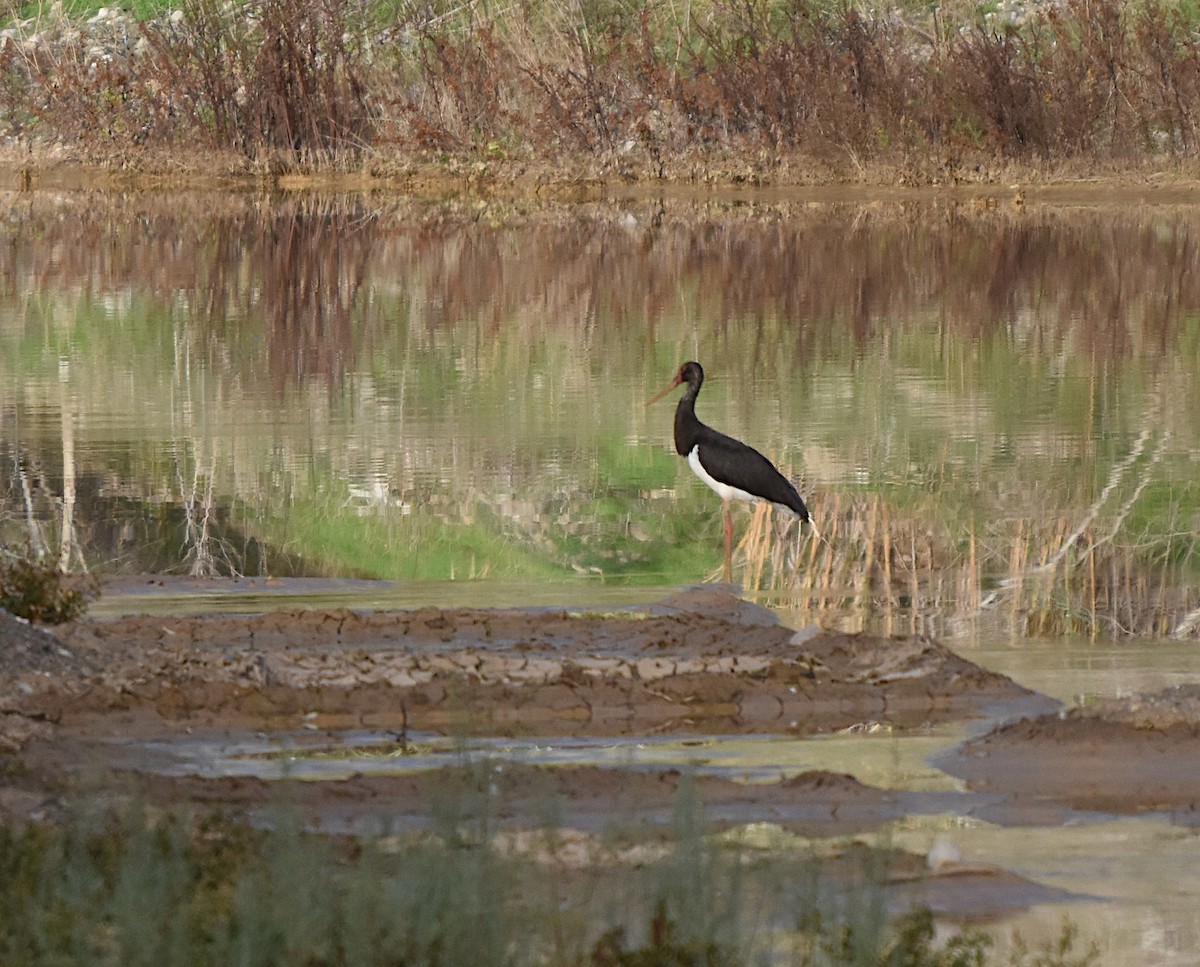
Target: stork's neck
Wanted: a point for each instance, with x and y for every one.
(687, 424)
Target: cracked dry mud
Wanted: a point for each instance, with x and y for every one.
(699, 661)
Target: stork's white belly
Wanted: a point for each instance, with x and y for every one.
(723, 490)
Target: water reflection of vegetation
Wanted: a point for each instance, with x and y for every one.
(989, 418)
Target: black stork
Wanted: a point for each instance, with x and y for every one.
(727, 465)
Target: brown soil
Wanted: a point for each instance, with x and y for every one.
(705, 179)
(106, 706)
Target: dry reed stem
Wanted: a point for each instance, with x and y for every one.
(889, 609)
(858, 578)
(1058, 577)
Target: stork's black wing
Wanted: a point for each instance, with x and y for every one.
(732, 462)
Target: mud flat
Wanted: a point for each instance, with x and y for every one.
(699, 661)
(144, 694)
(1129, 755)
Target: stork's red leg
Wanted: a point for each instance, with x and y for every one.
(728, 543)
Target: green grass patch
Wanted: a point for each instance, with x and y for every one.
(385, 543)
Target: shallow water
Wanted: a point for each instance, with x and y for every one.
(145, 595)
(1141, 872)
(891, 762)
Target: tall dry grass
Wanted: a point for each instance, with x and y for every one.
(874, 567)
(640, 88)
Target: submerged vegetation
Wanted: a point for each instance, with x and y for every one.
(749, 90)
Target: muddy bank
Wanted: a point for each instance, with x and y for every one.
(595, 799)
(703, 181)
(88, 704)
(1130, 755)
(700, 661)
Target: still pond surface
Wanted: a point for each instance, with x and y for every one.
(994, 414)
